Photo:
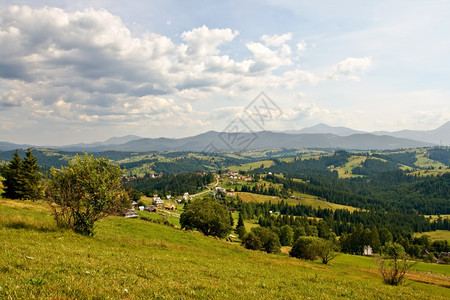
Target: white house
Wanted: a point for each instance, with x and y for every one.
(157, 200)
(368, 250)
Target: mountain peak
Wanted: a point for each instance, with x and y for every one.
(324, 128)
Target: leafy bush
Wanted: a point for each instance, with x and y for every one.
(251, 241)
(304, 248)
(393, 263)
(261, 238)
(84, 192)
(208, 216)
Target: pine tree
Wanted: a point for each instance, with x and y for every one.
(22, 179)
(240, 227)
(2, 191)
(13, 177)
(31, 177)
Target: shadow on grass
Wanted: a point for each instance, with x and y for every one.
(29, 226)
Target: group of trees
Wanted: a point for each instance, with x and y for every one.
(172, 184)
(311, 248)
(22, 177)
(79, 194)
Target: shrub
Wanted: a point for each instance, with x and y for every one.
(208, 216)
(251, 241)
(84, 192)
(303, 248)
(269, 239)
(393, 263)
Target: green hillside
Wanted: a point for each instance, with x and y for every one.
(134, 259)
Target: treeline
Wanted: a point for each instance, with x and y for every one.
(171, 184)
(440, 154)
(356, 229)
(374, 166)
(392, 190)
(300, 167)
(342, 221)
(404, 158)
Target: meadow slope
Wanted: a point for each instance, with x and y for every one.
(134, 259)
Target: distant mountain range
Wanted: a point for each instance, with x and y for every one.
(318, 136)
(436, 136)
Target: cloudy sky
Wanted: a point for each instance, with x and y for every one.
(84, 71)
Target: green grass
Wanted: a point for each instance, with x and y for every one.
(134, 259)
(425, 162)
(305, 200)
(251, 166)
(437, 235)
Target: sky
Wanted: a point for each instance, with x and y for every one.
(85, 71)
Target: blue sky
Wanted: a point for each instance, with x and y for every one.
(83, 71)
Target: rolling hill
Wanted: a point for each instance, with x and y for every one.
(134, 259)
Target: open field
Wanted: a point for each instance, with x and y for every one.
(437, 235)
(305, 200)
(346, 170)
(133, 259)
(251, 166)
(424, 162)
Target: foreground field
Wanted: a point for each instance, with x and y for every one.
(133, 259)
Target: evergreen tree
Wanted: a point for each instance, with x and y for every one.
(13, 177)
(22, 178)
(31, 188)
(2, 191)
(240, 227)
(375, 243)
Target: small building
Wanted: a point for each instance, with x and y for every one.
(368, 251)
(186, 196)
(169, 207)
(141, 208)
(131, 213)
(151, 208)
(157, 201)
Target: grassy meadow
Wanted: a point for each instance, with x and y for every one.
(437, 235)
(308, 200)
(134, 259)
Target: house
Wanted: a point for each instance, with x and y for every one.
(151, 208)
(186, 196)
(221, 189)
(368, 251)
(169, 207)
(168, 197)
(245, 178)
(141, 208)
(131, 213)
(157, 201)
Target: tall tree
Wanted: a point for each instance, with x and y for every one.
(240, 227)
(31, 188)
(2, 191)
(13, 177)
(22, 177)
(208, 216)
